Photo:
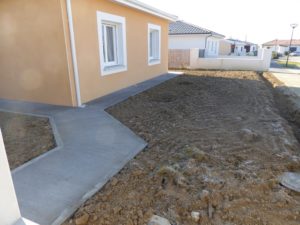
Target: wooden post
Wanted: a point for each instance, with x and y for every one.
(9, 207)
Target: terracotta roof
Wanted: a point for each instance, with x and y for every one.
(181, 28)
(282, 42)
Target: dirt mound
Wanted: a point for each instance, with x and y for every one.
(25, 137)
(214, 156)
(287, 102)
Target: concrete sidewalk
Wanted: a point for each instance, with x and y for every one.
(290, 78)
(92, 147)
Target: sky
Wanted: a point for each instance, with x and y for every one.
(257, 21)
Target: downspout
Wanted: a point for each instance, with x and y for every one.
(73, 50)
(210, 35)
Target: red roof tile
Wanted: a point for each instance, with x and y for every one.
(282, 42)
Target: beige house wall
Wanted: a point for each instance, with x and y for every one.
(92, 84)
(33, 57)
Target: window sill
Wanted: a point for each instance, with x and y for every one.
(153, 62)
(113, 69)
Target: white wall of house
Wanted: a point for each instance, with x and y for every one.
(186, 41)
(281, 49)
(9, 208)
(212, 48)
(261, 62)
(277, 48)
(195, 41)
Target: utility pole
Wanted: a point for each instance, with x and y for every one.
(293, 25)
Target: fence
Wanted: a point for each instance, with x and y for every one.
(179, 58)
(261, 62)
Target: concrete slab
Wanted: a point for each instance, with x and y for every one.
(291, 181)
(93, 147)
(284, 70)
(291, 80)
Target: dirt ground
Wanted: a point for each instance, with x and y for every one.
(25, 137)
(217, 146)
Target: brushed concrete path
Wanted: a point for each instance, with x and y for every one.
(92, 147)
(290, 77)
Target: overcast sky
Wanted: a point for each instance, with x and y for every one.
(259, 20)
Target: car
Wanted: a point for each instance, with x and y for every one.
(295, 53)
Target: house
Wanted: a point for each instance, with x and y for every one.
(242, 48)
(67, 52)
(184, 35)
(282, 46)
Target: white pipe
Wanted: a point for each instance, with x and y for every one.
(74, 55)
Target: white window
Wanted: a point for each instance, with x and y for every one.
(112, 43)
(154, 44)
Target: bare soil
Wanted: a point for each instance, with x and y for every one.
(25, 137)
(287, 102)
(217, 146)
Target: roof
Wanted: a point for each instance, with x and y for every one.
(282, 42)
(147, 8)
(180, 28)
(240, 42)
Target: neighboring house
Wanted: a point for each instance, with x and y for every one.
(69, 52)
(184, 35)
(282, 46)
(242, 48)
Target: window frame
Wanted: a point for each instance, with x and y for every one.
(154, 60)
(120, 49)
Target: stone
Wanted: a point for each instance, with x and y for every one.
(196, 153)
(114, 181)
(167, 171)
(204, 195)
(291, 181)
(157, 220)
(249, 135)
(83, 219)
(195, 216)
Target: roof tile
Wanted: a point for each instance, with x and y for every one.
(181, 27)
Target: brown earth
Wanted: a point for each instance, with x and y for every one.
(217, 146)
(287, 102)
(25, 137)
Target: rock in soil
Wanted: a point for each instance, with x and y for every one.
(83, 219)
(195, 216)
(157, 220)
(291, 181)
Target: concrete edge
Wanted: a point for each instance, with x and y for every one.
(68, 212)
(57, 139)
(23, 221)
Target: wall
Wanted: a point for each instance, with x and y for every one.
(259, 63)
(187, 41)
(92, 84)
(195, 41)
(225, 47)
(9, 207)
(278, 48)
(179, 58)
(33, 60)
